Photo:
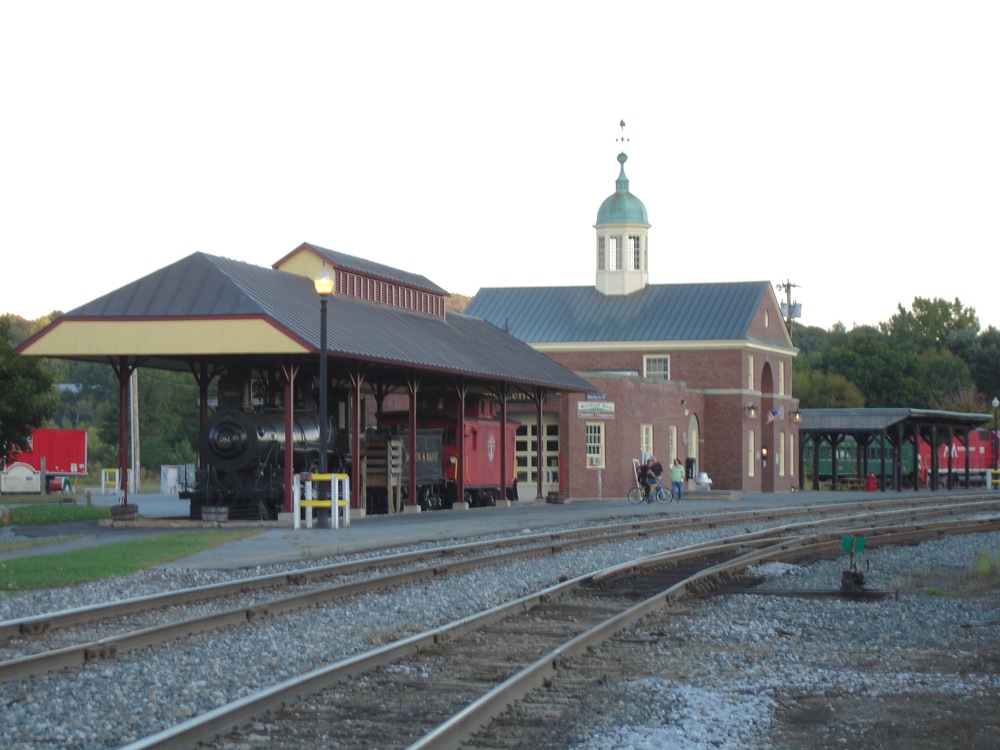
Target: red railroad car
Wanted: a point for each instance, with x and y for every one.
(64, 453)
(481, 469)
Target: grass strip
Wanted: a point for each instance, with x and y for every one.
(42, 514)
(28, 542)
(109, 560)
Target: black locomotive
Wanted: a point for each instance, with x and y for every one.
(243, 445)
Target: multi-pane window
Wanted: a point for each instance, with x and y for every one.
(673, 443)
(601, 252)
(614, 254)
(595, 445)
(634, 253)
(646, 439)
(657, 367)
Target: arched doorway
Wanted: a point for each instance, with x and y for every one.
(767, 455)
(693, 439)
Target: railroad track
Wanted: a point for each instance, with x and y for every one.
(76, 679)
(440, 688)
(52, 641)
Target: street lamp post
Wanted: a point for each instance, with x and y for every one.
(324, 287)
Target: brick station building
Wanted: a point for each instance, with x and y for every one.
(699, 372)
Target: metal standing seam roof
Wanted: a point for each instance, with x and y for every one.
(878, 420)
(203, 286)
(370, 268)
(659, 312)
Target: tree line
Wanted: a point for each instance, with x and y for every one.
(930, 356)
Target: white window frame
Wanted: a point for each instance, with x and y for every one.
(595, 445)
(752, 453)
(646, 439)
(634, 252)
(781, 454)
(750, 374)
(658, 373)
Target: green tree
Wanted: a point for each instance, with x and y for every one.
(929, 323)
(26, 397)
(817, 390)
(811, 340)
(982, 356)
(168, 418)
(947, 381)
(885, 376)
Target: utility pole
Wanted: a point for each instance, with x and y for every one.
(791, 310)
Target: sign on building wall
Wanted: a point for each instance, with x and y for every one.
(595, 409)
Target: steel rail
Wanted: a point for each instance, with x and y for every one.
(111, 646)
(460, 727)
(226, 717)
(38, 624)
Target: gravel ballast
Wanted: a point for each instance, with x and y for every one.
(721, 676)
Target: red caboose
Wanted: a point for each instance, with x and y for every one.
(481, 472)
(482, 445)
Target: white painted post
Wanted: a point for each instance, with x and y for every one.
(296, 497)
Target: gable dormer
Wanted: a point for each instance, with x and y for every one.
(366, 280)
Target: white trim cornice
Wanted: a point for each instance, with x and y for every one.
(662, 346)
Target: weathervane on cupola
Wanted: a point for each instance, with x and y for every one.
(622, 139)
(622, 236)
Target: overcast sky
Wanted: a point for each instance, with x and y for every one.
(852, 148)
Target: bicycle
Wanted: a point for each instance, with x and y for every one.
(638, 494)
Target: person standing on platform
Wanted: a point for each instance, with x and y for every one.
(676, 480)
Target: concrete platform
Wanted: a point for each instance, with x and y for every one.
(279, 542)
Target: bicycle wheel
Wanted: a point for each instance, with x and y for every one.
(662, 496)
(635, 495)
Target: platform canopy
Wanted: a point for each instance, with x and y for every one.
(888, 425)
(825, 422)
(206, 309)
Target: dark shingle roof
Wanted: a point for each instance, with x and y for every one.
(202, 285)
(660, 312)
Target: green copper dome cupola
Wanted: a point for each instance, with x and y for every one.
(621, 207)
(622, 238)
